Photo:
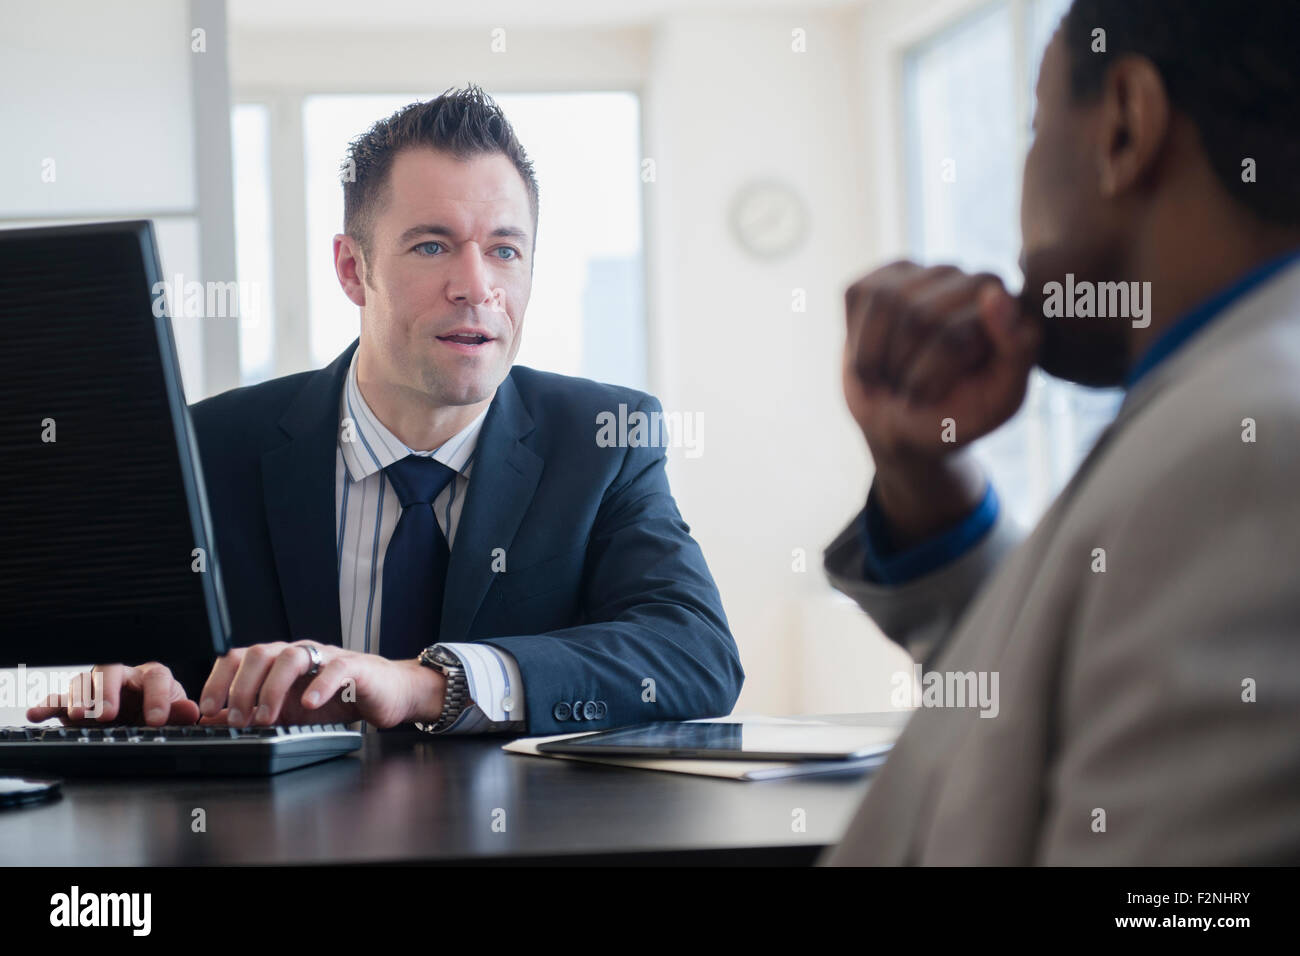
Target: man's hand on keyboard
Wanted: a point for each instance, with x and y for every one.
(120, 694)
(269, 684)
(261, 684)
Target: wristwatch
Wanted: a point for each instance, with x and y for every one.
(456, 694)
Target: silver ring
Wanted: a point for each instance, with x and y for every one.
(314, 654)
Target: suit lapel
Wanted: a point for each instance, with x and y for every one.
(298, 492)
(501, 487)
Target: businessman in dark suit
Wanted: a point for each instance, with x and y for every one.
(422, 533)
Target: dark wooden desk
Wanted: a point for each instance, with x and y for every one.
(406, 798)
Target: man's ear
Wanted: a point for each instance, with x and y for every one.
(1135, 119)
(349, 266)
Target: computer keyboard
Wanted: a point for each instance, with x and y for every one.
(198, 749)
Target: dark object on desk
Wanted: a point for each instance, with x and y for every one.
(18, 791)
(104, 503)
(204, 750)
(732, 741)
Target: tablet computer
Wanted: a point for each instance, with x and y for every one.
(732, 741)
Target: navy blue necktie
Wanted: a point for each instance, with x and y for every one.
(415, 564)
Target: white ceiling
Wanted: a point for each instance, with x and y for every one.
(310, 15)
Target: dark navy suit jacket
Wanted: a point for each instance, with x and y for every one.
(603, 587)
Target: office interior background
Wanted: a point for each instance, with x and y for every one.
(712, 176)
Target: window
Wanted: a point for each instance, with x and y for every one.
(965, 138)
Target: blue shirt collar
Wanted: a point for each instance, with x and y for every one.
(1200, 315)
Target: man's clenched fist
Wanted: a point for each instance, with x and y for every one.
(926, 345)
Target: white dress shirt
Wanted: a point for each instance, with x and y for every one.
(367, 510)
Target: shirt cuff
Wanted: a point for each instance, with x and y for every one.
(884, 564)
(496, 690)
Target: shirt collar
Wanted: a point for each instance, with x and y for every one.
(369, 446)
(1200, 315)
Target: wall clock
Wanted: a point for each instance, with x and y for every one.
(769, 219)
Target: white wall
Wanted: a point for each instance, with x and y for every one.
(783, 467)
(109, 113)
(82, 83)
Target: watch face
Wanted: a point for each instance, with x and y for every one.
(439, 656)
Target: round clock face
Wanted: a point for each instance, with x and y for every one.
(769, 219)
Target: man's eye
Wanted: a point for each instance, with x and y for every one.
(514, 252)
(423, 244)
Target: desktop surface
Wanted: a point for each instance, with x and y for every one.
(408, 798)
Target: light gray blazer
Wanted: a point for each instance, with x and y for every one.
(1147, 714)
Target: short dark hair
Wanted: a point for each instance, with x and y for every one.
(1232, 68)
(465, 123)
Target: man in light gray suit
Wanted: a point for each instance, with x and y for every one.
(1146, 636)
